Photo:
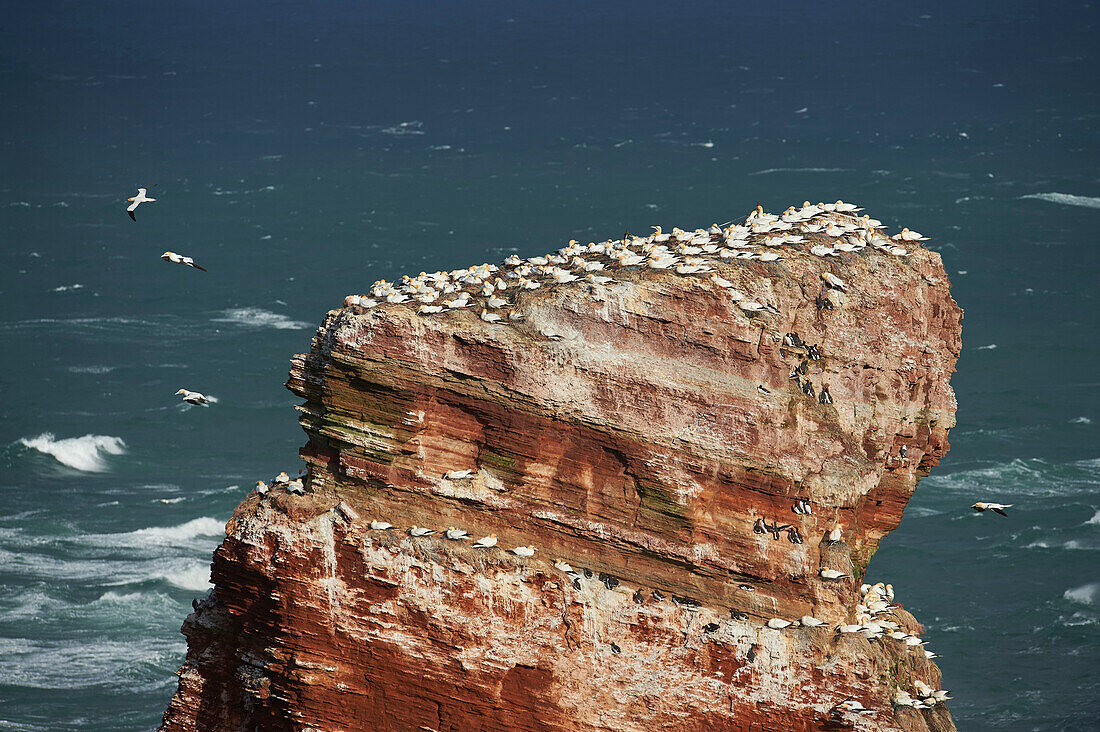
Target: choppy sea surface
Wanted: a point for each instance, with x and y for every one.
(300, 153)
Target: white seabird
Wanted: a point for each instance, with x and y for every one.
(907, 235)
(180, 259)
(418, 531)
(457, 474)
(778, 623)
(485, 542)
(261, 487)
(811, 622)
(833, 281)
(832, 574)
(982, 507)
(380, 525)
(139, 199)
(296, 486)
(193, 397)
(563, 566)
(524, 551)
(455, 534)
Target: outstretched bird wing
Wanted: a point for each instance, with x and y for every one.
(198, 266)
(131, 212)
(1000, 511)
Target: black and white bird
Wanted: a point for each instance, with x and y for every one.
(137, 200)
(825, 397)
(982, 507)
(180, 259)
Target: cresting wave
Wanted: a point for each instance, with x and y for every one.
(768, 171)
(1066, 199)
(80, 453)
(259, 318)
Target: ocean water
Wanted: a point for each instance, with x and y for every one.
(300, 152)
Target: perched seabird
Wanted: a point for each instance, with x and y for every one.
(657, 595)
(759, 527)
(794, 536)
(261, 487)
(490, 317)
(792, 339)
(760, 388)
(563, 566)
(825, 397)
(811, 622)
(455, 534)
(615, 649)
(279, 479)
(833, 281)
(296, 486)
(180, 259)
(907, 235)
(139, 199)
(903, 452)
(778, 623)
(524, 551)
(457, 474)
(982, 507)
(835, 534)
(380, 525)
(485, 542)
(550, 333)
(832, 574)
(813, 352)
(737, 615)
(710, 627)
(639, 597)
(747, 588)
(193, 397)
(418, 531)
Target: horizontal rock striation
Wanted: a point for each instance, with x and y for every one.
(685, 434)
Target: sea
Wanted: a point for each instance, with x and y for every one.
(300, 151)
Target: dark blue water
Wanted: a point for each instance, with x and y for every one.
(302, 152)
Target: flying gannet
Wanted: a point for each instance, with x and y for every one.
(982, 507)
(139, 199)
(193, 397)
(180, 259)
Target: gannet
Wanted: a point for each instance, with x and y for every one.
(417, 531)
(832, 574)
(193, 397)
(833, 281)
(489, 317)
(429, 309)
(380, 525)
(982, 506)
(550, 333)
(457, 474)
(562, 565)
(485, 542)
(849, 628)
(524, 551)
(139, 199)
(811, 622)
(280, 478)
(261, 487)
(778, 623)
(455, 534)
(180, 259)
(907, 235)
(296, 486)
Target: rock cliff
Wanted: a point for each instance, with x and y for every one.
(675, 424)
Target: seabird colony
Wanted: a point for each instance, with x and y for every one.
(495, 293)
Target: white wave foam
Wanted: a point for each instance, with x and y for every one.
(768, 171)
(1083, 595)
(259, 318)
(204, 526)
(989, 347)
(82, 453)
(1066, 199)
(66, 288)
(193, 577)
(90, 369)
(1095, 520)
(1080, 420)
(405, 128)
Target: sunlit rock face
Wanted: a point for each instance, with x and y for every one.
(652, 429)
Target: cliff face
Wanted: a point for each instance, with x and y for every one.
(639, 428)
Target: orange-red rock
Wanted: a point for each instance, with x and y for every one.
(638, 446)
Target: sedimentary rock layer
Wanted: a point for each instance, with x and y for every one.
(643, 439)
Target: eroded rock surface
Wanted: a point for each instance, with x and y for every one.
(642, 440)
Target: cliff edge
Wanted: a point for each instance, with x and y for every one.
(695, 440)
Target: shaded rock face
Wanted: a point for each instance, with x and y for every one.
(643, 443)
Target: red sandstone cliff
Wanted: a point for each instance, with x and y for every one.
(643, 442)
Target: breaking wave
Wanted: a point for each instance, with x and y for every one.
(1066, 199)
(259, 318)
(1083, 595)
(86, 453)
